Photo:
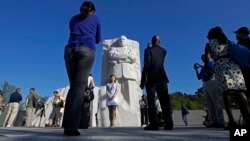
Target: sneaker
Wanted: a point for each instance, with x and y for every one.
(8, 126)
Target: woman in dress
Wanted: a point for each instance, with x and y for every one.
(112, 92)
(227, 73)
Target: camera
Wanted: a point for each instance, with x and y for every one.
(196, 66)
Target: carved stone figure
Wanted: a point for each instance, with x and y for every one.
(121, 57)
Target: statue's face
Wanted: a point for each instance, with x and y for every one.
(123, 41)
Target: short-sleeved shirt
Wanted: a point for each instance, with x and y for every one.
(15, 97)
(205, 76)
(142, 104)
(58, 101)
(31, 98)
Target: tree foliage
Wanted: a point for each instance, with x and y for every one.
(193, 102)
(7, 89)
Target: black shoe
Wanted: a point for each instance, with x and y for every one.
(168, 127)
(71, 132)
(152, 128)
(216, 125)
(230, 125)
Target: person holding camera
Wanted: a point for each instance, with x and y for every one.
(211, 92)
(56, 114)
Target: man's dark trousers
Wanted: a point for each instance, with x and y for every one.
(162, 93)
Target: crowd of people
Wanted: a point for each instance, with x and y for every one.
(35, 107)
(13, 105)
(220, 74)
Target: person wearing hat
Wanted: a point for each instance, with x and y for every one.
(242, 35)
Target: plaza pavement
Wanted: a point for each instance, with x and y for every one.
(180, 133)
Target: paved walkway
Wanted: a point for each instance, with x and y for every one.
(180, 133)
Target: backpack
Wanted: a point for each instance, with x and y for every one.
(239, 54)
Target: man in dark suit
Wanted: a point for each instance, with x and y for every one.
(155, 79)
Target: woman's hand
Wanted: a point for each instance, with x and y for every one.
(112, 97)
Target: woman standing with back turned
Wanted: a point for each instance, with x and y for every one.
(79, 58)
(227, 74)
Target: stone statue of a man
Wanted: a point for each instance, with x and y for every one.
(121, 57)
(122, 60)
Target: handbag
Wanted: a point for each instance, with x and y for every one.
(239, 54)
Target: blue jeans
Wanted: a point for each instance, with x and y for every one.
(184, 117)
(78, 65)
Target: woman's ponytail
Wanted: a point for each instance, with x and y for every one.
(85, 8)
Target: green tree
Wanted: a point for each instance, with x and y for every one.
(192, 101)
(7, 89)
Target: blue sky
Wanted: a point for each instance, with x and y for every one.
(34, 33)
